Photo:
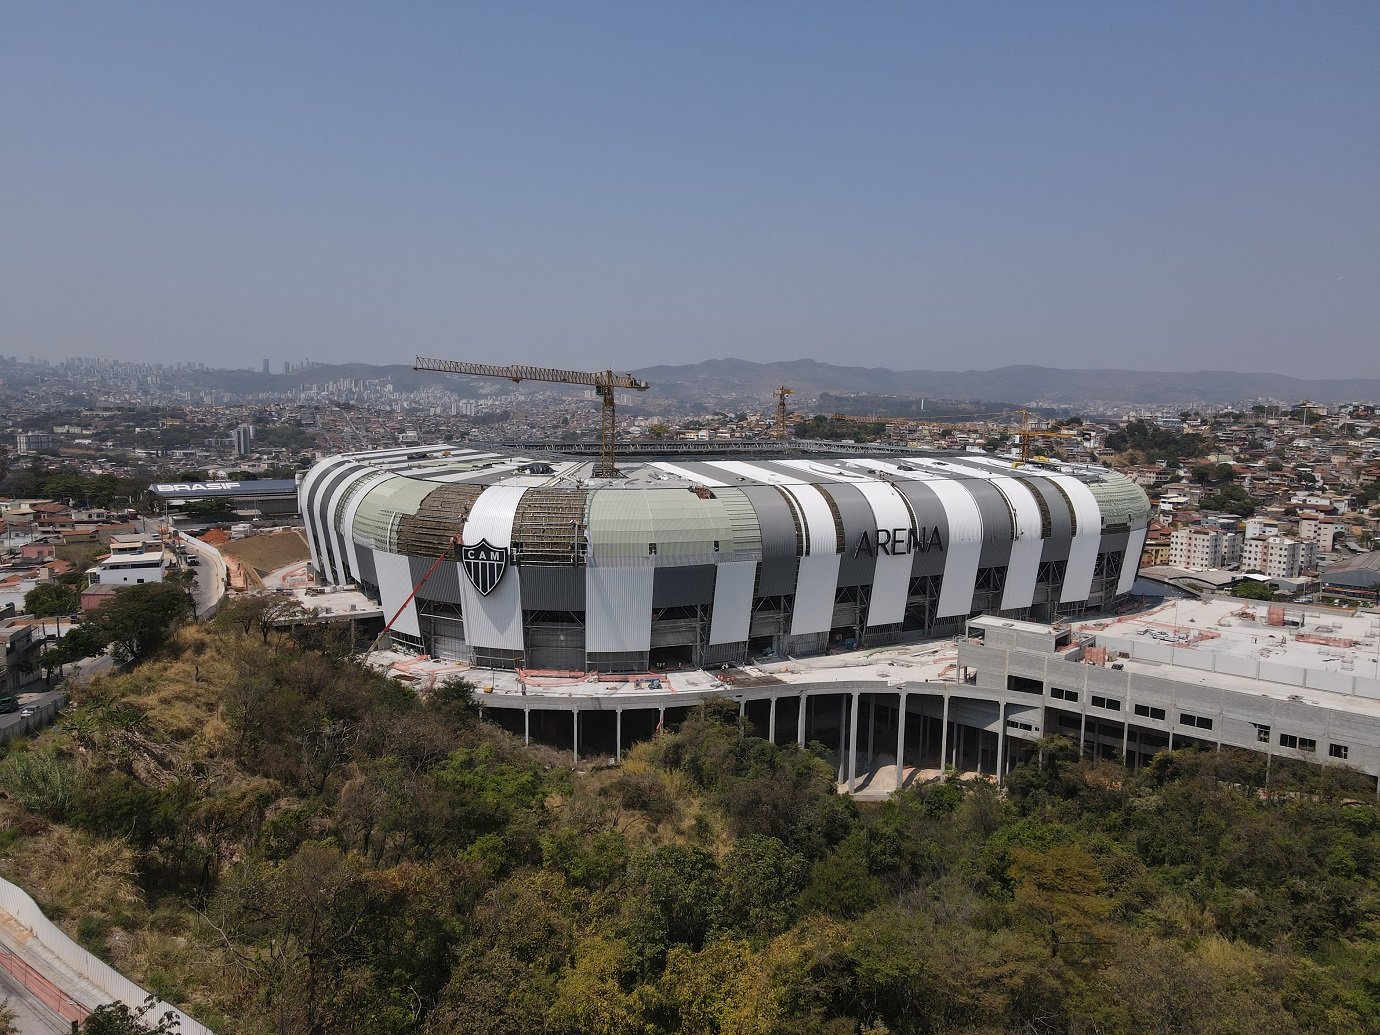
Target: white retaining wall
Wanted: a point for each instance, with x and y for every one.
(15, 901)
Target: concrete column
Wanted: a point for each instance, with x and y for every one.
(843, 735)
(618, 734)
(800, 722)
(901, 739)
(742, 707)
(771, 719)
(661, 717)
(871, 730)
(1082, 733)
(575, 734)
(944, 740)
(527, 726)
(1125, 736)
(853, 741)
(1001, 739)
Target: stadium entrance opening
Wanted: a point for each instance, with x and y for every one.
(679, 656)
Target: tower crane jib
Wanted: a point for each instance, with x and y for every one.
(604, 382)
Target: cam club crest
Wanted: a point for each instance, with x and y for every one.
(484, 565)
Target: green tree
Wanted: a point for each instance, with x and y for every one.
(51, 599)
(675, 888)
(760, 881)
(1249, 589)
(263, 612)
(119, 1019)
(1058, 889)
(133, 623)
(214, 509)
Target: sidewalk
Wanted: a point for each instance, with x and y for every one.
(52, 991)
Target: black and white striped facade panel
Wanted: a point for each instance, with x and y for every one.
(701, 560)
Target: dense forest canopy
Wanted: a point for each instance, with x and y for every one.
(253, 825)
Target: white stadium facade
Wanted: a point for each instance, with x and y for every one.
(705, 560)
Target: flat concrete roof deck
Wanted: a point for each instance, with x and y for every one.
(930, 661)
(1220, 626)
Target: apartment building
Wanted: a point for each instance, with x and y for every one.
(1278, 556)
(1201, 548)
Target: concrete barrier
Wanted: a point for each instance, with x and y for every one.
(42, 715)
(96, 972)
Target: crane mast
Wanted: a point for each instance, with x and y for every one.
(781, 394)
(604, 383)
(1027, 432)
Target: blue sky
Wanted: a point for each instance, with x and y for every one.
(913, 185)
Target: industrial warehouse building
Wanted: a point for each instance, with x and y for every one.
(701, 562)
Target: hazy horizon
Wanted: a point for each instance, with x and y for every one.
(955, 187)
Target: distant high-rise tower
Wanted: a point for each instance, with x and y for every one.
(244, 440)
(265, 366)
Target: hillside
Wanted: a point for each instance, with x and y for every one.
(286, 843)
(1020, 384)
(718, 380)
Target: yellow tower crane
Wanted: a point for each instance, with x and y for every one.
(1027, 433)
(604, 382)
(781, 394)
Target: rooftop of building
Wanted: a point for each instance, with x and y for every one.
(1286, 651)
(131, 557)
(1369, 561)
(668, 466)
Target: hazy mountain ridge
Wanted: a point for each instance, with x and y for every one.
(1024, 383)
(717, 379)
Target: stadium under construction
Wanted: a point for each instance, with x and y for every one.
(915, 613)
(696, 560)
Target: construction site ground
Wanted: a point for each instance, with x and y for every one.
(265, 552)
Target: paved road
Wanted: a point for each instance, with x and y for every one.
(30, 1018)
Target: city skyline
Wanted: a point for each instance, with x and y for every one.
(953, 189)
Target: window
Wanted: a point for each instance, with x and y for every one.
(1148, 712)
(1016, 724)
(1110, 703)
(1060, 694)
(1025, 685)
(1288, 740)
(1338, 750)
(1069, 722)
(1262, 732)
(651, 549)
(1201, 722)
